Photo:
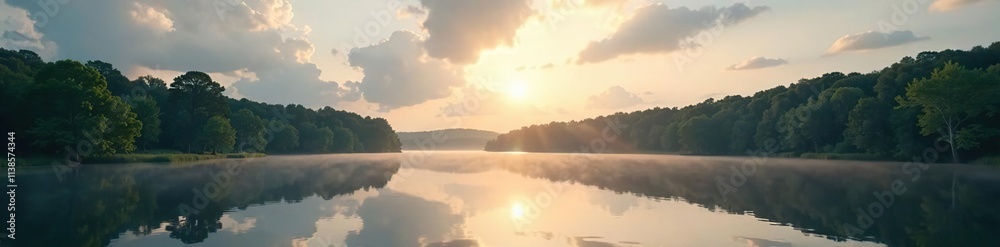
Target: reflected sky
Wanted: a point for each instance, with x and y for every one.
(497, 199)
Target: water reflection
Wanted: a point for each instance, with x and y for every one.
(95, 205)
(495, 199)
(944, 205)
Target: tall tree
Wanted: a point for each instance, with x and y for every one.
(249, 131)
(118, 84)
(949, 98)
(868, 127)
(194, 98)
(285, 137)
(344, 140)
(696, 134)
(153, 87)
(315, 139)
(84, 112)
(218, 135)
(148, 114)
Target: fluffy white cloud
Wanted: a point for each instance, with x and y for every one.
(613, 98)
(657, 28)
(399, 73)
(758, 63)
(872, 40)
(461, 29)
(154, 18)
(17, 32)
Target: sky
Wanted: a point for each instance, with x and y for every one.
(494, 64)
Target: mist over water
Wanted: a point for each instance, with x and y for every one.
(512, 199)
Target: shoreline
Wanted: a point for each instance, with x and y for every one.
(136, 158)
(985, 161)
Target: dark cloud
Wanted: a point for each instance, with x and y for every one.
(657, 28)
(411, 11)
(398, 72)
(757, 63)
(613, 98)
(460, 29)
(291, 83)
(456, 243)
(872, 40)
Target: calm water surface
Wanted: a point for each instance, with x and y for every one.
(504, 199)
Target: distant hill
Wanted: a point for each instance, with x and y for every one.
(447, 139)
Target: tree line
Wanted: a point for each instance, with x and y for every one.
(948, 97)
(70, 108)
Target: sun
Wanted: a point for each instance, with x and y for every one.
(517, 211)
(517, 90)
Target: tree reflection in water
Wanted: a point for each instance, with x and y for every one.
(100, 202)
(947, 205)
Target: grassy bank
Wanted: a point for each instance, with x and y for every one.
(845, 156)
(994, 160)
(156, 158)
(138, 158)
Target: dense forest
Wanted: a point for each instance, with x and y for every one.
(67, 107)
(947, 97)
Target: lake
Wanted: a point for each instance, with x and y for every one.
(510, 199)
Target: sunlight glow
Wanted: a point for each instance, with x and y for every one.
(517, 90)
(517, 211)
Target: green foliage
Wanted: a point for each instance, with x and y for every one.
(84, 112)
(148, 113)
(218, 135)
(152, 87)
(315, 139)
(696, 134)
(194, 98)
(868, 126)
(249, 131)
(837, 115)
(949, 99)
(118, 84)
(285, 137)
(344, 140)
(95, 110)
